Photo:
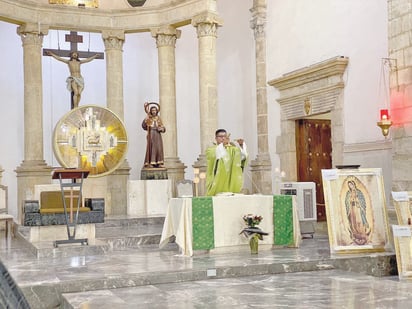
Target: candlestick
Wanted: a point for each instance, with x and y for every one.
(196, 182)
(278, 179)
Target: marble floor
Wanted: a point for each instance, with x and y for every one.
(128, 274)
(316, 289)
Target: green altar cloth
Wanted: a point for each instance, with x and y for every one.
(203, 223)
(283, 220)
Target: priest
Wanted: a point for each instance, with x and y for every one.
(225, 163)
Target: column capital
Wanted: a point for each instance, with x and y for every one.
(117, 34)
(32, 34)
(33, 28)
(113, 39)
(166, 30)
(258, 21)
(207, 24)
(259, 4)
(166, 35)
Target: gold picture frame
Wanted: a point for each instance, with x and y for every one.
(356, 210)
(403, 247)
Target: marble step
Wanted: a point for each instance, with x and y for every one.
(130, 238)
(151, 267)
(114, 234)
(119, 222)
(121, 233)
(99, 247)
(124, 221)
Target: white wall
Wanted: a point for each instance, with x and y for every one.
(236, 76)
(301, 33)
(306, 32)
(11, 109)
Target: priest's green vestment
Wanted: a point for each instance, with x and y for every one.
(224, 174)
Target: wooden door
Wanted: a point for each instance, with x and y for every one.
(314, 153)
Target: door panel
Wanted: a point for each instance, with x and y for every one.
(314, 153)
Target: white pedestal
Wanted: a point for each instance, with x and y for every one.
(148, 197)
(59, 232)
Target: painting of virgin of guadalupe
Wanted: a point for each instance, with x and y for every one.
(356, 210)
(357, 214)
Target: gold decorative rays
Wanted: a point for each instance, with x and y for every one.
(90, 137)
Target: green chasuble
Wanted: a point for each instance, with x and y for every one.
(225, 174)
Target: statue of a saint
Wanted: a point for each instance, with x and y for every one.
(154, 127)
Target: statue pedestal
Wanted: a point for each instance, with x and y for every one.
(148, 197)
(153, 173)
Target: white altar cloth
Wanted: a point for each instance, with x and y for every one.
(228, 222)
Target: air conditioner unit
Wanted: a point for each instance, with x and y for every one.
(306, 198)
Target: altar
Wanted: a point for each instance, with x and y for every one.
(209, 223)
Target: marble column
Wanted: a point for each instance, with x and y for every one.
(206, 25)
(116, 199)
(261, 167)
(166, 41)
(33, 170)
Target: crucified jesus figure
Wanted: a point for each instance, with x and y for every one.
(75, 82)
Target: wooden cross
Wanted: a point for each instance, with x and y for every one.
(74, 39)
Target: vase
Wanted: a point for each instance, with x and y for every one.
(254, 244)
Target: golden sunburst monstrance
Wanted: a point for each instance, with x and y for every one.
(90, 137)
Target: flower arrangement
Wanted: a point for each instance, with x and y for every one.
(252, 232)
(252, 220)
(251, 229)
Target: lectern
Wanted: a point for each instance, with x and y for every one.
(71, 178)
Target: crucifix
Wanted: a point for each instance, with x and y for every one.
(75, 82)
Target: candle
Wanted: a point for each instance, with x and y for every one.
(196, 182)
(384, 114)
